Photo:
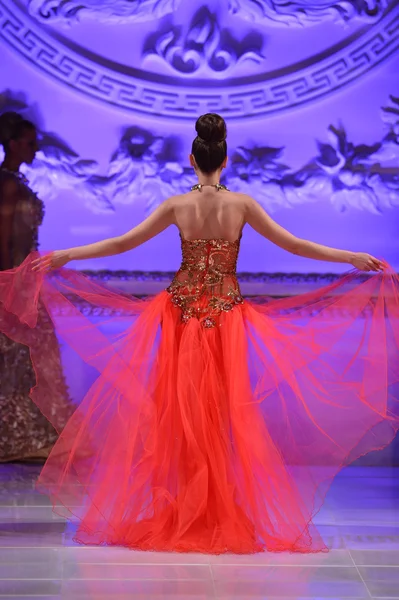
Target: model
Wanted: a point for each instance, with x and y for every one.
(25, 434)
(213, 424)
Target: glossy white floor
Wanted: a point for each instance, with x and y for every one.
(360, 522)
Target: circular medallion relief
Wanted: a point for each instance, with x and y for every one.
(203, 67)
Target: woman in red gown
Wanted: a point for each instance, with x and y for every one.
(211, 424)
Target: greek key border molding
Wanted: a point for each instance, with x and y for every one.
(241, 101)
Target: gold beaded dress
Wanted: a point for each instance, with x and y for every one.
(25, 433)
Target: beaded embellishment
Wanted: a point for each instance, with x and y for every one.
(206, 284)
(17, 174)
(218, 186)
(31, 204)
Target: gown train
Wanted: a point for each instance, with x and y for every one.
(207, 422)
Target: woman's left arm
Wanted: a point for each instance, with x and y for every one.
(158, 221)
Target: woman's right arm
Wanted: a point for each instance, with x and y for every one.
(8, 202)
(158, 221)
(259, 220)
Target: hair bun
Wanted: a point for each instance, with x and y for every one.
(8, 123)
(209, 148)
(211, 128)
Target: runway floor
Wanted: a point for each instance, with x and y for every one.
(360, 522)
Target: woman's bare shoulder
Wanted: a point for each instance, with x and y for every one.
(187, 198)
(9, 184)
(180, 199)
(239, 198)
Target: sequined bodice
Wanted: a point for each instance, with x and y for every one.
(28, 216)
(206, 284)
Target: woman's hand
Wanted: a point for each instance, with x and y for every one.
(366, 262)
(54, 260)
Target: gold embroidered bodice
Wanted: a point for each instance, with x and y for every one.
(206, 283)
(27, 217)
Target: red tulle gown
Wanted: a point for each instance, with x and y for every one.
(209, 423)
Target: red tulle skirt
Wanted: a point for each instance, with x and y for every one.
(208, 440)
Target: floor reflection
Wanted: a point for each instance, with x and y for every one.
(360, 522)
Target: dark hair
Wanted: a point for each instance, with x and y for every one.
(13, 127)
(209, 147)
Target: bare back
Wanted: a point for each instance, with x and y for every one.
(210, 214)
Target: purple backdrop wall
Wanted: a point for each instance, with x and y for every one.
(310, 92)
